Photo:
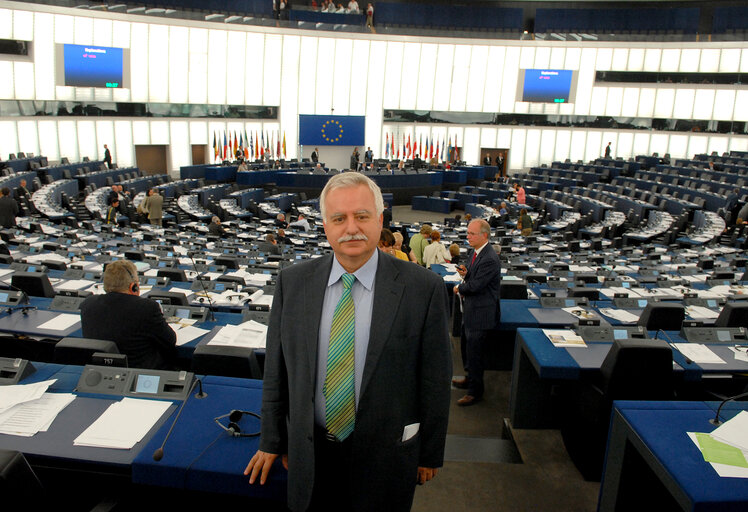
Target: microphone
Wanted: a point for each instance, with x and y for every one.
(670, 341)
(715, 420)
(24, 296)
(159, 453)
(205, 291)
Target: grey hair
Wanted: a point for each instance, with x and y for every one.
(348, 180)
(118, 276)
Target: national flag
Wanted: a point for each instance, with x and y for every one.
(386, 145)
(409, 147)
(449, 150)
(225, 147)
(262, 147)
(215, 147)
(420, 144)
(284, 144)
(436, 153)
(236, 146)
(246, 144)
(278, 144)
(251, 146)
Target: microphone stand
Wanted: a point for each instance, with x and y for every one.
(715, 420)
(205, 291)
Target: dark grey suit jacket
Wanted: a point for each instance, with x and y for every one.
(405, 381)
(481, 309)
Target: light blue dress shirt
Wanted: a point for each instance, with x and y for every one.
(363, 300)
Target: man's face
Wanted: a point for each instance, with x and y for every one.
(475, 238)
(352, 225)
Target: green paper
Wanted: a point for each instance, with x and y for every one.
(719, 452)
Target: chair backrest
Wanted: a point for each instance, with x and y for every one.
(227, 361)
(638, 370)
(662, 315)
(231, 262)
(34, 284)
(513, 290)
(175, 274)
(733, 314)
(581, 291)
(79, 350)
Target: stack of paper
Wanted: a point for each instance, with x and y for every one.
(564, 338)
(11, 396)
(726, 449)
(249, 334)
(123, 424)
(623, 316)
(34, 416)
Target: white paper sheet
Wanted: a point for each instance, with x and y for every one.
(61, 322)
(189, 333)
(698, 353)
(249, 334)
(123, 424)
(28, 418)
(734, 431)
(20, 393)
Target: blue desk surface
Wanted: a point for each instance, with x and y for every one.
(199, 455)
(56, 445)
(662, 426)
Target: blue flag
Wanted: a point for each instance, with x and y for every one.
(331, 130)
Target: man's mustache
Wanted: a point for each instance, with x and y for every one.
(350, 238)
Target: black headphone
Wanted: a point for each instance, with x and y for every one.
(135, 287)
(234, 417)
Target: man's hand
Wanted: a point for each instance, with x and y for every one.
(426, 474)
(462, 270)
(260, 463)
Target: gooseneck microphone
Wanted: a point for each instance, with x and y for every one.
(159, 453)
(715, 420)
(205, 291)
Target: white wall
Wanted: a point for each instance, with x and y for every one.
(312, 73)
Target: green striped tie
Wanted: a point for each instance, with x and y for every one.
(340, 383)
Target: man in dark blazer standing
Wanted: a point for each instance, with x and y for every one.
(107, 157)
(8, 208)
(394, 435)
(134, 323)
(315, 155)
(481, 310)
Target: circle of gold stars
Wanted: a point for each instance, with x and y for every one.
(332, 137)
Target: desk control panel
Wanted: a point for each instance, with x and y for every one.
(66, 303)
(632, 302)
(715, 334)
(10, 297)
(135, 382)
(563, 302)
(12, 371)
(609, 333)
(175, 313)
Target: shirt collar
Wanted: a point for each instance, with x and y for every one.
(479, 249)
(364, 275)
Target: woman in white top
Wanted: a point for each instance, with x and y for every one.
(435, 252)
(353, 7)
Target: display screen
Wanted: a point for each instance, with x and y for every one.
(3, 297)
(182, 313)
(642, 303)
(92, 66)
(570, 303)
(620, 334)
(547, 86)
(724, 336)
(147, 384)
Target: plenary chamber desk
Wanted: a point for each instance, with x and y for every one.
(200, 458)
(651, 463)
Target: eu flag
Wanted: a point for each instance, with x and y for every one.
(331, 130)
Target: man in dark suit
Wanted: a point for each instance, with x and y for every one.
(269, 246)
(397, 368)
(134, 323)
(215, 228)
(368, 157)
(480, 306)
(315, 155)
(8, 209)
(107, 157)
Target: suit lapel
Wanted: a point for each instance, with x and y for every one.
(387, 295)
(314, 296)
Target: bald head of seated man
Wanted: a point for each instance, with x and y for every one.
(136, 324)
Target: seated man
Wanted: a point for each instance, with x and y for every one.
(215, 228)
(269, 246)
(136, 324)
(300, 223)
